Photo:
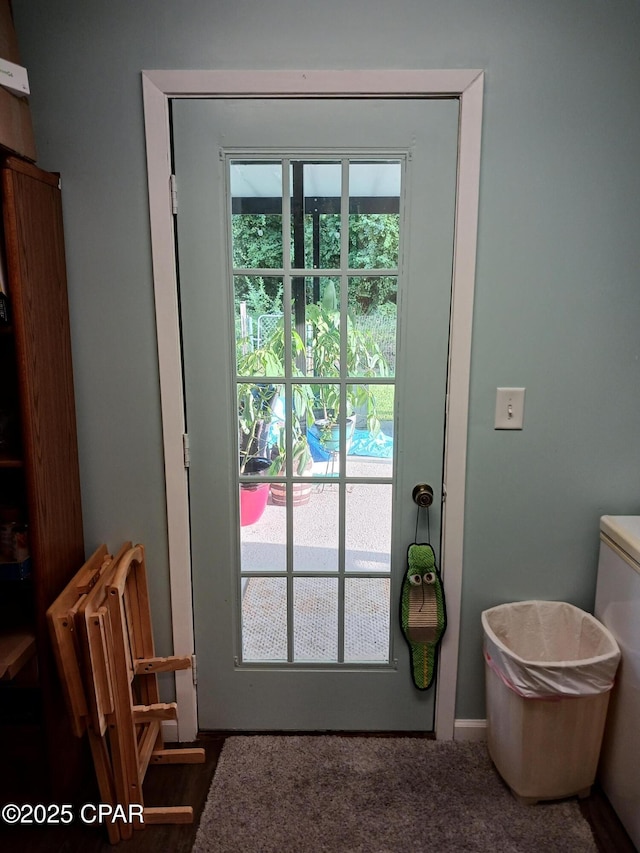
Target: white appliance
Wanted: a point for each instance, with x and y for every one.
(618, 607)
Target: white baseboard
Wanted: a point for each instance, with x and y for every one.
(170, 731)
(470, 730)
(463, 730)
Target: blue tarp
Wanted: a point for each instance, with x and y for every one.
(363, 443)
(366, 444)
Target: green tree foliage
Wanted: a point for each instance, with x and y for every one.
(373, 243)
(257, 240)
(257, 244)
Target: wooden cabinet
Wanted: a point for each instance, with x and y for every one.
(40, 510)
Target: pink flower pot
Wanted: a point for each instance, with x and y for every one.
(253, 500)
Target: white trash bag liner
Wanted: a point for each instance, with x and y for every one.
(545, 649)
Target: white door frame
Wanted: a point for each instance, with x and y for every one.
(158, 88)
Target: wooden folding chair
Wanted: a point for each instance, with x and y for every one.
(134, 668)
(61, 617)
(116, 623)
(103, 641)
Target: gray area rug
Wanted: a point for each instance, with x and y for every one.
(306, 794)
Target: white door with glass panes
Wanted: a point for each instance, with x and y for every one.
(315, 244)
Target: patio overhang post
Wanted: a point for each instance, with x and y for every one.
(315, 218)
(297, 284)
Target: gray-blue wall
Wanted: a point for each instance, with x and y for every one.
(558, 292)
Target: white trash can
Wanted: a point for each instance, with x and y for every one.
(549, 669)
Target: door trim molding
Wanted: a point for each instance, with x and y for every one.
(158, 88)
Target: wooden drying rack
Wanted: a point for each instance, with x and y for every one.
(100, 626)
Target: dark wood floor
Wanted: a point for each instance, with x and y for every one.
(165, 785)
(189, 785)
(609, 833)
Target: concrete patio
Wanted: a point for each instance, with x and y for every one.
(315, 550)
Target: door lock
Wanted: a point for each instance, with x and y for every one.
(423, 495)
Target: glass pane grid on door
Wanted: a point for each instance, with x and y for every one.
(314, 255)
(332, 620)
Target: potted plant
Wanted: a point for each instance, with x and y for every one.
(263, 447)
(255, 412)
(316, 406)
(302, 461)
(254, 417)
(363, 358)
